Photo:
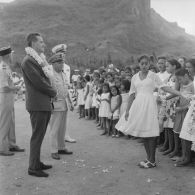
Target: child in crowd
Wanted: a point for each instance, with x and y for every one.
(88, 96)
(115, 109)
(117, 81)
(96, 78)
(125, 87)
(104, 111)
(110, 79)
(80, 99)
(98, 99)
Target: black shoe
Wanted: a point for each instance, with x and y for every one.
(16, 149)
(37, 173)
(45, 167)
(104, 133)
(65, 151)
(8, 153)
(55, 156)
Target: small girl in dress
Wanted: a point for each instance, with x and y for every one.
(110, 79)
(95, 105)
(98, 99)
(80, 99)
(125, 87)
(96, 77)
(88, 97)
(115, 109)
(104, 111)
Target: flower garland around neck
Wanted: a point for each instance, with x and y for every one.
(41, 60)
(31, 52)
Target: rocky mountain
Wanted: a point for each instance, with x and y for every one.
(94, 29)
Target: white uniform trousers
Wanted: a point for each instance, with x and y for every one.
(58, 123)
(12, 134)
(7, 122)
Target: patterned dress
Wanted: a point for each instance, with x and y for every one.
(170, 105)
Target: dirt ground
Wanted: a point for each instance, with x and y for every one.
(100, 165)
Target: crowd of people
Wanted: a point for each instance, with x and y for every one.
(151, 103)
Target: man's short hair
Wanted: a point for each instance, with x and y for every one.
(32, 37)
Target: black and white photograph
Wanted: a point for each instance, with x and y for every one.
(97, 97)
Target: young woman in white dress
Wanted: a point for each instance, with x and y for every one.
(140, 118)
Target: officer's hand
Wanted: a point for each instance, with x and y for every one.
(7, 89)
(71, 107)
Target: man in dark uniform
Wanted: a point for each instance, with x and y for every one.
(39, 93)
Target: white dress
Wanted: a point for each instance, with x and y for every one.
(114, 101)
(143, 119)
(80, 100)
(104, 110)
(94, 97)
(88, 101)
(188, 127)
(125, 97)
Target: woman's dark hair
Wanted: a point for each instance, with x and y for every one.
(87, 78)
(126, 84)
(144, 57)
(117, 89)
(175, 63)
(181, 72)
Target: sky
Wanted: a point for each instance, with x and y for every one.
(180, 11)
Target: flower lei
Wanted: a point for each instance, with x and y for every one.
(40, 59)
(31, 52)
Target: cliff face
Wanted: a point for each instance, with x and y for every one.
(94, 27)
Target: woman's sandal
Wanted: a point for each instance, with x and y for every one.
(148, 165)
(142, 163)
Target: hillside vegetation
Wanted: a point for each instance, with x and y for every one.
(94, 30)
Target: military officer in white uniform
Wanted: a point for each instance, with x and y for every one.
(7, 118)
(62, 48)
(58, 121)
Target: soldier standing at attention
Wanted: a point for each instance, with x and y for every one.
(7, 119)
(62, 49)
(61, 103)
